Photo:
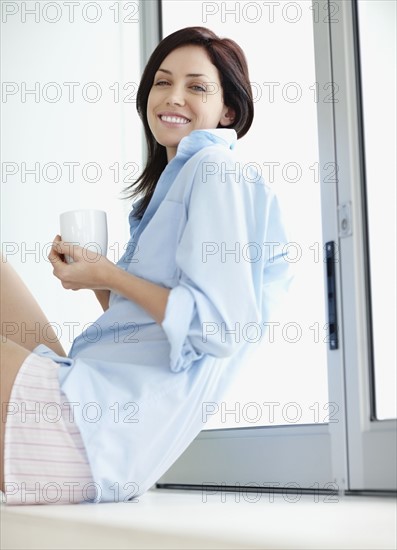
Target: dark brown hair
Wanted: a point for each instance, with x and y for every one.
(229, 59)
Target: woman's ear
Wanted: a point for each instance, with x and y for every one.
(227, 117)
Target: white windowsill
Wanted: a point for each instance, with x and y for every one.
(181, 519)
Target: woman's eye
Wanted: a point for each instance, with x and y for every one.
(161, 83)
(199, 88)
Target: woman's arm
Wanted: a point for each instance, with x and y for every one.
(91, 270)
(151, 297)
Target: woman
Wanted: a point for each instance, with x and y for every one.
(130, 394)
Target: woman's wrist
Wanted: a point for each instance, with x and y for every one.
(111, 277)
(150, 296)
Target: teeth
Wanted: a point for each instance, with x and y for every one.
(174, 119)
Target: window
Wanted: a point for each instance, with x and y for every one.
(371, 444)
(379, 119)
(352, 451)
(287, 376)
(282, 145)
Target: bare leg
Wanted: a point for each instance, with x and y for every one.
(22, 323)
(12, 357)
(22, 319)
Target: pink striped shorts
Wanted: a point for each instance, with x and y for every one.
(45, 461)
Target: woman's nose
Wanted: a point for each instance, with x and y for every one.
(176, 97)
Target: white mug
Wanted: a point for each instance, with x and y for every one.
(85, 228)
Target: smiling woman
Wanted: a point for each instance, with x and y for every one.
(166, 342)
(225, 78)
(181, 101)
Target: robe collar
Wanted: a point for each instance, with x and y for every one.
(187, 147)
(198, 139)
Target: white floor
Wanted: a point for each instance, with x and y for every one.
(189, 519)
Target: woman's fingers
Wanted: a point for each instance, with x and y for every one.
(55, 255)
(60, 249)
(86, 270)
(67, 249)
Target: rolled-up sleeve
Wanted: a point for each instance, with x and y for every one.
(178, 317)
(221, 259)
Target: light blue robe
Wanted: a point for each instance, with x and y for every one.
(213, 234)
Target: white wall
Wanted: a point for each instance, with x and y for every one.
(87, 46)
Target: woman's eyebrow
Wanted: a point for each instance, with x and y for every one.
(190, 74)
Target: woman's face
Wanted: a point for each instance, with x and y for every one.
(186, 95)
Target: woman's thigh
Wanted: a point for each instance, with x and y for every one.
(11, 358)
(22, 319)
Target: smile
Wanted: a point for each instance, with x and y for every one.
(174, 119)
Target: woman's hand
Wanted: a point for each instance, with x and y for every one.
(88, 270)
(91, 270)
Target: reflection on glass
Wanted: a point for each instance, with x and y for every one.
(377, 36)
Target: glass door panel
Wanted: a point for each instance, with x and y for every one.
(284, 381)
(378, 96)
